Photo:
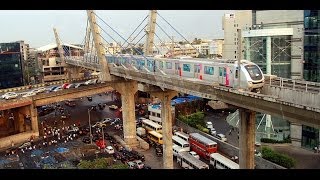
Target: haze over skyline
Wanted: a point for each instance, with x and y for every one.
(36, 27)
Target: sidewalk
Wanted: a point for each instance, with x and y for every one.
(306, 159)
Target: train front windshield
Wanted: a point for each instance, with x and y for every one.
(254, 72)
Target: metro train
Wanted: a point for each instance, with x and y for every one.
(222, 72)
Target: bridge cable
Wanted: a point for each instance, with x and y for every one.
(178, 32)
(136, 36)
(118, 35)
(136, 29)
(167, 35)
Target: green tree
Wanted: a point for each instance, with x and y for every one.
(119, 166)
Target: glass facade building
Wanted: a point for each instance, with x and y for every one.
(280, 54)
(11, 69)
(312, 45)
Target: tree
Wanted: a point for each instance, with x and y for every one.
(99, 163)
(119, 166)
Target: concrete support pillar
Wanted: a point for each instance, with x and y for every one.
(296, 134)
(166, 120)
(22, 112)
(268, 125)
(127, 91)
(268, 53)
(73, 72)
(34, 119)
(247, 138)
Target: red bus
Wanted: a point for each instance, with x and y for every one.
(202, 145)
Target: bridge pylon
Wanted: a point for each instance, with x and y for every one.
(101, 51)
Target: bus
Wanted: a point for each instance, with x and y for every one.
(177, 149)
(202, 145)
(155, 137)
(151, 126)
(187, 161)
(181, 143)
(218, 161)
(182, 135)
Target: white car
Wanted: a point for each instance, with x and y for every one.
(213, 131)
(221, 137)
(9, 95)
(109, 149)
(40, 90)
(194, 154)
(31, 93)
(106, 120)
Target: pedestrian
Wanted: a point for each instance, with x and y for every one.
(230, 131)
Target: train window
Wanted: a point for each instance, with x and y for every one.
(186, 67)
(168, 65)
(220, 71)
(161, 64)
(208, 70)
(197, 68)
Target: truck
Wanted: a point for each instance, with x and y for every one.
(141, 132)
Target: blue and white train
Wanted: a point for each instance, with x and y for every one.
(222, 72)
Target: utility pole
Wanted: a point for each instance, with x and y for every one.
(101, 51)
(150, 33)
(239, 54)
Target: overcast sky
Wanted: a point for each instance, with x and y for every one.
(35, 27)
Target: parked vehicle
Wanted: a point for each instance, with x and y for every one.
(109, 149)
(114, 107)
(194, 154)
(9, 95)
(30, 93)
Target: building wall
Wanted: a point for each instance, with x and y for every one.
(296, 134)
(230, 23)
(216, 48)
(11, 68)
(289, 19)
(312, 45)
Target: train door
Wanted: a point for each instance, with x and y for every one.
(221, 75)
(177, 69)
(227, 74)
(197, 73)
(224, 76)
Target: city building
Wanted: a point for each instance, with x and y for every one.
(216, 48)
(274, 43)
(231, 22)
(154, 110)
(311, 69)
(49, 60)
(12, 59)
(175, 50)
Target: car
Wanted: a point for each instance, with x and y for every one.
(73, 129)
(114, 107)
(9, 95)
(89, 98)
(99, 124)
(131, 165)
(52, 88)
(138, 155)
(101, 143)
(78, 85)
(194, 154)
(106, 120)
(70, 103)
(139, 164)
(30, 93)
(209, 125)
(158, 151)
(59, 88)
(24, 145)
(213, 131)
(86, 140)
(221, 137)
(40, 90)
(64, 86)
(109, 149)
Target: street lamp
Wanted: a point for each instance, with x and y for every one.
(90, 109)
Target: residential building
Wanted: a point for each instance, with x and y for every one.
(216, 48)
(231, 22)
(50, 65)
